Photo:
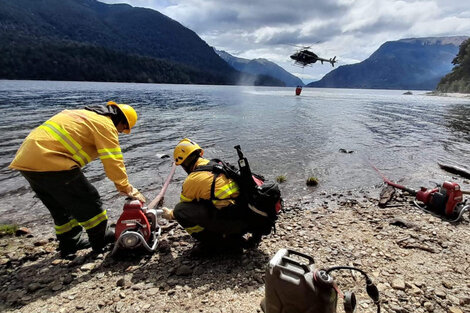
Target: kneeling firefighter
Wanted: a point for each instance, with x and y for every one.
(51, 158)
(209, 210)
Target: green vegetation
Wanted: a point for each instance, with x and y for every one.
(281, 178)
(88, 40)
(459, 79)
(312, 181)
(81, 62)
(8, 230)
(65, 60)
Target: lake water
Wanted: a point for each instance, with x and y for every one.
(280, 133)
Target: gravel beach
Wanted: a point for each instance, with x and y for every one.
(419, 263)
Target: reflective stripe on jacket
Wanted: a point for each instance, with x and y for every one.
(197, 187)
(73, 138)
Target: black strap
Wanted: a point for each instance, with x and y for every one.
(213, 197)
(216, 167)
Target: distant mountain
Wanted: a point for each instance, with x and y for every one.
(260, 66)
(90, 40)
(415, 63)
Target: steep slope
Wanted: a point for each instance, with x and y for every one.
(260, 66)
(459, 79)
(117, 29)
(416, 63)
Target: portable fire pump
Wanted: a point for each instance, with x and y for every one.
(445, 201)
(138, 226)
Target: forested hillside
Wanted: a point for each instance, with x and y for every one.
(90, 40)
(459, 79)
(72, 61)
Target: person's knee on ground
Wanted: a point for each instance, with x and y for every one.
(254, 240)
(207, 237)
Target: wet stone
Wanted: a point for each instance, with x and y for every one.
(68, 279)
(121, 282)
(33, 287)
(184, 270)
(21, 231)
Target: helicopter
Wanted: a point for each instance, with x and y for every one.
(306, 57)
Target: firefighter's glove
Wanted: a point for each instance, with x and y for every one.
(135, 194)
(168, 214)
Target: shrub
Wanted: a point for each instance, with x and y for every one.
(312, 181)
(281, 178)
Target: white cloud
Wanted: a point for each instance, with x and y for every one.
(349, 29)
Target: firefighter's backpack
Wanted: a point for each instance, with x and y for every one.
(261, 197)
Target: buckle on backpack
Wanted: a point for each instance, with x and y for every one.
(218, 168)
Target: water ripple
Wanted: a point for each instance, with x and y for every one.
(281, 134)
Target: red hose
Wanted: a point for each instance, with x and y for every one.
(157, 199)
(389, 182)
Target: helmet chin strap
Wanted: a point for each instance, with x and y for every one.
(186, 169)
(190, 162)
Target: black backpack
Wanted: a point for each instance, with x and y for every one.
(261, 198)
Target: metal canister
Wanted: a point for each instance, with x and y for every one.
(293, 285)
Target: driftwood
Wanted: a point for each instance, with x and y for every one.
(386, 195)
(423, 247)
(455, 170)
(401, 223)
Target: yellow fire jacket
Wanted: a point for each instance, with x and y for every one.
(70, 139)
(197, 186)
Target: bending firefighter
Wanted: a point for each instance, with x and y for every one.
(208, 210)
(51, 158)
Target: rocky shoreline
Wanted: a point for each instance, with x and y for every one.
(419, 263)
(448, 94)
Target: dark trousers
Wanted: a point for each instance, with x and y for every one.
(74, 204)
(206, 223)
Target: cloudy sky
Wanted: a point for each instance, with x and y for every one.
(351, 30)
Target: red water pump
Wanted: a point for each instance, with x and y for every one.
(445, 201)
(137, 227)
(442, 200)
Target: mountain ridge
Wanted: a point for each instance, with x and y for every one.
(32, 32)
(410, 63)
(260, 66)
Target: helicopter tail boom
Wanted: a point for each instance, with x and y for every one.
(332, 61)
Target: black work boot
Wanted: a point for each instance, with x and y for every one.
(70, 246)
(96, 235)
(109, 236)
(253, 241)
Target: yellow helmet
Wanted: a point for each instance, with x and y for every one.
(184, 148)
(129, 113)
